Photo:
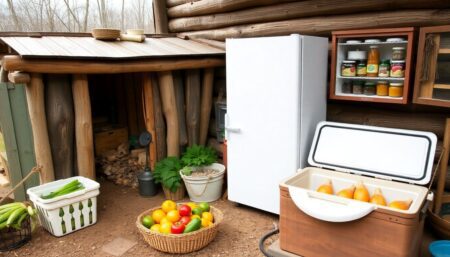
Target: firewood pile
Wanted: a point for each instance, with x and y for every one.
(122, 166)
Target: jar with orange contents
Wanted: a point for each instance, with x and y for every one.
(395, 89)
(382, 88)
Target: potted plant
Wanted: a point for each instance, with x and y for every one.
(202, 176)
(167, 173)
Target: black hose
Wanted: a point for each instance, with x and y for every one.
(264, 238)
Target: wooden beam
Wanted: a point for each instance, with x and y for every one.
(294, 10)
(180, 99)
(83, 126)
(193, 88)
(19, 77)
(324, 25)
(168, 98)
(206, 103)
(131, 105)
(16, 63)
(160, 15)
(160, 125)
(3, 74)
(213, 43)
(172, 3)
(443, 169)
(216, 6)
(36, 108)
(149, 115)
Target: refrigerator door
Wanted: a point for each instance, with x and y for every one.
(263, 117)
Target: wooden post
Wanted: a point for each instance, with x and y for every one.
(18, 77)
(149, 115)
(206, 104)
(160, 125)
(60, 123)
(3, 74)
(193, 105)
(179, 94)
(443, 169)
(83, 126)
(170, 112)
(36, 108)
(131, 105)
(160, 14)
(138, 93)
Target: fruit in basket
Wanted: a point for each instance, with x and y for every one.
(206, 223)
(193, 225)
(195, 216)
(177, 228)
(204, 206)
(197, 211)
(184, 210)
(207, 216)
(347, 192)
(147, 221)
(165, 220)
(361, 193)
(168, 205)
(326, 188)
(401, 205)
(185, 220)
(166, 228)
(173, 216)
(378, 198)
(155, 228)
(158, 215)
(192, 205)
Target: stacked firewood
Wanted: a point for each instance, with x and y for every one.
(122, 166)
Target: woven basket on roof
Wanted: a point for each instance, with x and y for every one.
(105, 34)
(180, 243)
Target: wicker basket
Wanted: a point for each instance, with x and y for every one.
(106, 34)
(181, 243)
(178, 195)
(11, 238)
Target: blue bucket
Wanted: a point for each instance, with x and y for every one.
(440, 248)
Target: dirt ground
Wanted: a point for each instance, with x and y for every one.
(118, 208)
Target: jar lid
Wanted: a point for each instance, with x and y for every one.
(396, 84)
(382, 82)
(348, 61)
(387, 61)
(400, 61)
(372, 41)
(398, 48)
(394, 39)
(369, 84)
(353, 41)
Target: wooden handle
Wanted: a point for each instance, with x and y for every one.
(133, 38)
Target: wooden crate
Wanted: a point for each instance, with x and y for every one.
(109, 139)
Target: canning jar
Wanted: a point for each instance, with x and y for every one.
(361, 68)
(348, 68)
(347, 87)
(397, 69)
(372, 62)
(396, 89)
(398, 53)
(369, 88)
(382, 88)
(383, 70)
(357, 87)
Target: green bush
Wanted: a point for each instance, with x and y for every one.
(167, 173)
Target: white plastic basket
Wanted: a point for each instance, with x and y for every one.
(67, 213)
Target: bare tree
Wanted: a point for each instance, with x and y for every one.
(86, 15)
(102, 12)
(17, 23)
(122, 17)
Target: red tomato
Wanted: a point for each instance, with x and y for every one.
(177, 228)
(185, 220)
(184, 210)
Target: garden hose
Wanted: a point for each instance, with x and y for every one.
(264, 238)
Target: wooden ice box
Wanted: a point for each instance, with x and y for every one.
(399, 162)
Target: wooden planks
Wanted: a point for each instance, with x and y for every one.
(89, 48)
(180, 101)
(443, 169)
(36, 108)
(206, 104)
(160, 125)
(83, 126)
(160, 16)
(193, 88)
(149, 115)
(15, 63)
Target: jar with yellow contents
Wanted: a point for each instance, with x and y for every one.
(395, 89)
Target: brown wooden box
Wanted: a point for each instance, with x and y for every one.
(109, 139)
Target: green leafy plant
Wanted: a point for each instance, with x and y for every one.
(197, 155)
(166, 173)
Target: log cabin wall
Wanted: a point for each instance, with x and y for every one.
(221, 19)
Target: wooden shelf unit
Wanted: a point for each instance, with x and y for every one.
(427, 90)
(340, 47)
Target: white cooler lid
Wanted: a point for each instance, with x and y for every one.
(395, 154)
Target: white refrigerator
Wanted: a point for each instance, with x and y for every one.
(276, 94)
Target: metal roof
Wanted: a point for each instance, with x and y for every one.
(73, 47)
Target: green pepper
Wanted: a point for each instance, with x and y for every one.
(193, 225)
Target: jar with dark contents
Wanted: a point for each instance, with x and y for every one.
(347, 87)
(357, 87)
(398, 53)
(369, 88)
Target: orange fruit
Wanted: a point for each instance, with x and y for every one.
(158, 215)
(401, 205)
(326, 188)
(347, 192)
(155, 228)
(361, 193)
(378, 198)
(173, 216)
(192, 205)
(168, 205)
(206, 223)
(208, 216)
(164, 220)
(165, 228)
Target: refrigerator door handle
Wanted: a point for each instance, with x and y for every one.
(233, 130)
